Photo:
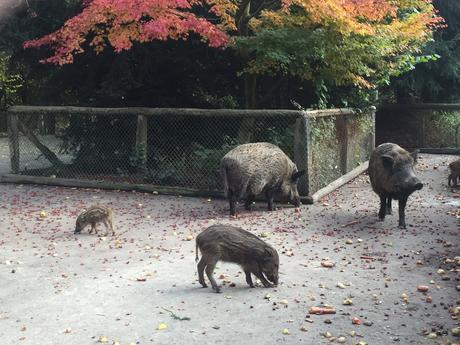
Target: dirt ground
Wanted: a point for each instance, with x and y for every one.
(141, 286)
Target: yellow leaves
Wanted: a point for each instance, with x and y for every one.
(102, 339)
(162, 326)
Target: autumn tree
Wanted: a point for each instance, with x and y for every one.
(341, 42)
(434, 81)
(329, 42)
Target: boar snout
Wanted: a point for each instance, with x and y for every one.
(418, 186)
(413, 184)
(273, 279)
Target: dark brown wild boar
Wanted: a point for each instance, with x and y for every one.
(231, 244)
(454, 172)
(255, 168)
(391, 171)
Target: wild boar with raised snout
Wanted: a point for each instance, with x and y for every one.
(232, 244)
(252, 169)
(454, 172)
(391, 171)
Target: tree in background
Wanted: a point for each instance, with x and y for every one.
(436, 81)
(332, 43)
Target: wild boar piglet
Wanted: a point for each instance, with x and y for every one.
(232, 244)
(94, 215)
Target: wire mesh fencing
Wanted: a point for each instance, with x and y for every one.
(178, 148)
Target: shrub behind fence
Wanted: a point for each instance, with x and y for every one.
(419, 125)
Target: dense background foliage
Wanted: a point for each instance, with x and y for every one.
(280, 54)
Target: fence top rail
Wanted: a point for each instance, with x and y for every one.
(189, 112)
(422, 106)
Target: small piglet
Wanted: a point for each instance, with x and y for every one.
(391, 171)
(94, 215)
(454, 172)
(232, 244)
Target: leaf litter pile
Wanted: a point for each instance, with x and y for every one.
(345, 277)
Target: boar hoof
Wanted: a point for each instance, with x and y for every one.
(217, 289)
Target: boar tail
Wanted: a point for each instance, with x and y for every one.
(196, 257)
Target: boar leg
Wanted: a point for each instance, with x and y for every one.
(232, 202)
(247, 204)
(111, 226)
(402, 215)
(201, 265)
(269, 195)
(93, 228)
(388, 205)
(383, 207)
(210, 265)
(249, 279)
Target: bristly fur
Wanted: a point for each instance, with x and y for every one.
(233, 244)
(251, 169)
(94, 215)
(392, 176)
(454, 173)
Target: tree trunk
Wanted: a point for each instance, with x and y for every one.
(49, 155)
(247, 123)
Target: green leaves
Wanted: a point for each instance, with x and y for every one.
(10, 83)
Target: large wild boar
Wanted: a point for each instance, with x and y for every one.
(252, 169)
(454, 172)
(391, 171)
(232, 244)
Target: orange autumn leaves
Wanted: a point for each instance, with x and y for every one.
(120, 23)
(396, 26)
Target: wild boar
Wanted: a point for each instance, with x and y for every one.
(391, 171)
(94, 215)
(232, 244)
(252, 169)
(454, 172)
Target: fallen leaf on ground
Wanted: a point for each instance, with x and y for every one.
(322, 310)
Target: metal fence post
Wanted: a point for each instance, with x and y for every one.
(13, 140)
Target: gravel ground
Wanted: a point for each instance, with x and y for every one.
(58, 288)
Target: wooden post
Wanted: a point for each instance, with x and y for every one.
(302, 152)
(13, 140)
(372, 114)
(246, 130)
(341, 124)
(141, 142)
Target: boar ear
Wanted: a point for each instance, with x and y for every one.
(296, 175)
(414, 155)
(387, 161)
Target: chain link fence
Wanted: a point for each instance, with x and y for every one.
(179, 148)
(168, 147)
